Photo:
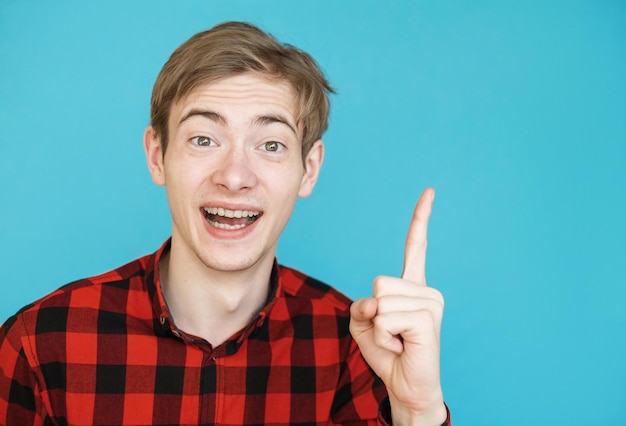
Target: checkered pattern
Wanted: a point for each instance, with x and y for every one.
(103, 351)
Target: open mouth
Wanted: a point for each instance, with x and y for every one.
(230, 219)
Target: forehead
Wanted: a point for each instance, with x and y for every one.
(243, 92)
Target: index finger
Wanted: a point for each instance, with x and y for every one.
(416, 240)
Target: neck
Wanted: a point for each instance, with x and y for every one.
(212, 304)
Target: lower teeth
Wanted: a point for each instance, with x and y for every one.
(226, 226)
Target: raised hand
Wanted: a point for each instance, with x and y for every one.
(398, 329)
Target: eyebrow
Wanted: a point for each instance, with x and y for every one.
(274, 118)
(211, 115)
(262, 120)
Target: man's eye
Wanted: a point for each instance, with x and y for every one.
(273, 146)
(202, 141)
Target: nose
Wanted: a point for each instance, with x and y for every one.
(234, 171)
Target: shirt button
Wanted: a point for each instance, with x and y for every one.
(162, 319)
(175, 333)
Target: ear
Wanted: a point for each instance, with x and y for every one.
(312, 166)
(154, 155)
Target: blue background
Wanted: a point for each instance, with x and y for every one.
(515, 111)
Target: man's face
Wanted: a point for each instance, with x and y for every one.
(232, 170)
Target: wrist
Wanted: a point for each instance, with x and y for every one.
(435, 414)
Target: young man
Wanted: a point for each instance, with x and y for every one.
(210, 329)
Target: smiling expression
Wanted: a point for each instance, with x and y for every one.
(232, 170)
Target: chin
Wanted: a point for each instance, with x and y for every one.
(230, 263)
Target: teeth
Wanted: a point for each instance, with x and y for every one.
(222, 212)
(225, 226)
(219, 211)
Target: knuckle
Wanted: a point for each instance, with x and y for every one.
(378, 285)
(437, 296)
(432, 294)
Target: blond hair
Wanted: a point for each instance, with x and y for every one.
(233, 48)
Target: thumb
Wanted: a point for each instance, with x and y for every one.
(362, 312)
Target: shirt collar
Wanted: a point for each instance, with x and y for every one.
(161, 314)
(162, 322)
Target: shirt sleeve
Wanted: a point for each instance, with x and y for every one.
(20, 399)
(359, 392)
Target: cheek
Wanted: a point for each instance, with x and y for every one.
(184, 173)
(280, 194)
(180, 183)
(290, 183)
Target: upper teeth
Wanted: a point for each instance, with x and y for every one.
(230, 213)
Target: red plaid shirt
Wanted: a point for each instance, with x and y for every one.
(104, 351)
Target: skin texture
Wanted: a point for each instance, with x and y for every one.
(398, 330)
(233, 144)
